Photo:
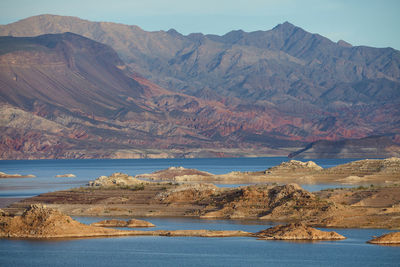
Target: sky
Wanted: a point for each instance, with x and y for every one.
(359, 22)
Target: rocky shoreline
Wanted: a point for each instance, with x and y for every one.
(40, 222)
(387, 239)
(363, 172)
(124, 195)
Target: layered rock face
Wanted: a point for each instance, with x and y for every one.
(287, 202)
(40, 222)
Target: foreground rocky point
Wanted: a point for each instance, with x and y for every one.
(40, 222)
(297, 231)
(387, 239)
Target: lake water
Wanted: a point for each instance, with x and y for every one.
(176, 251)
(86, 170)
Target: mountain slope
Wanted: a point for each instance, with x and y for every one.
(66, 96)
(280, 88)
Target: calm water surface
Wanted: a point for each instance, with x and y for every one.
(176, 251)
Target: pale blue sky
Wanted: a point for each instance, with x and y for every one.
(360, 22)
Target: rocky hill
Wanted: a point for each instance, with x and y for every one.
(66, 96)
(268, 91)
(297, 231)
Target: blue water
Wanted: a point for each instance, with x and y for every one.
(197, 251)
(176, 251)
(86, 170)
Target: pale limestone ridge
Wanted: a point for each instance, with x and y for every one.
(116, 179)
(176, 174)
(369, 167)
(6, 175)
(69, 175)
(295, 165)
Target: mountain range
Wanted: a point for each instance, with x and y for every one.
(72, 88)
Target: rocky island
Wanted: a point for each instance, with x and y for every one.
(69, 175)
(40, 222)
(297, 231)
(387, 239)
(6, 175)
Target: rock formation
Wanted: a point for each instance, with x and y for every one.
(387, 239)
(6, 175)
(295, 166)
(116, 179)
(65, 175)
(40, 222)
(186, 193)
(176, 174)
(369, 171)
(132, 223)
(389, 166)
(297, 231)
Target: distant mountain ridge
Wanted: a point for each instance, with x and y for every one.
(274, 89)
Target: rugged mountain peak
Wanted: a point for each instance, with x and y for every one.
(285, 27)
(174, 32)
